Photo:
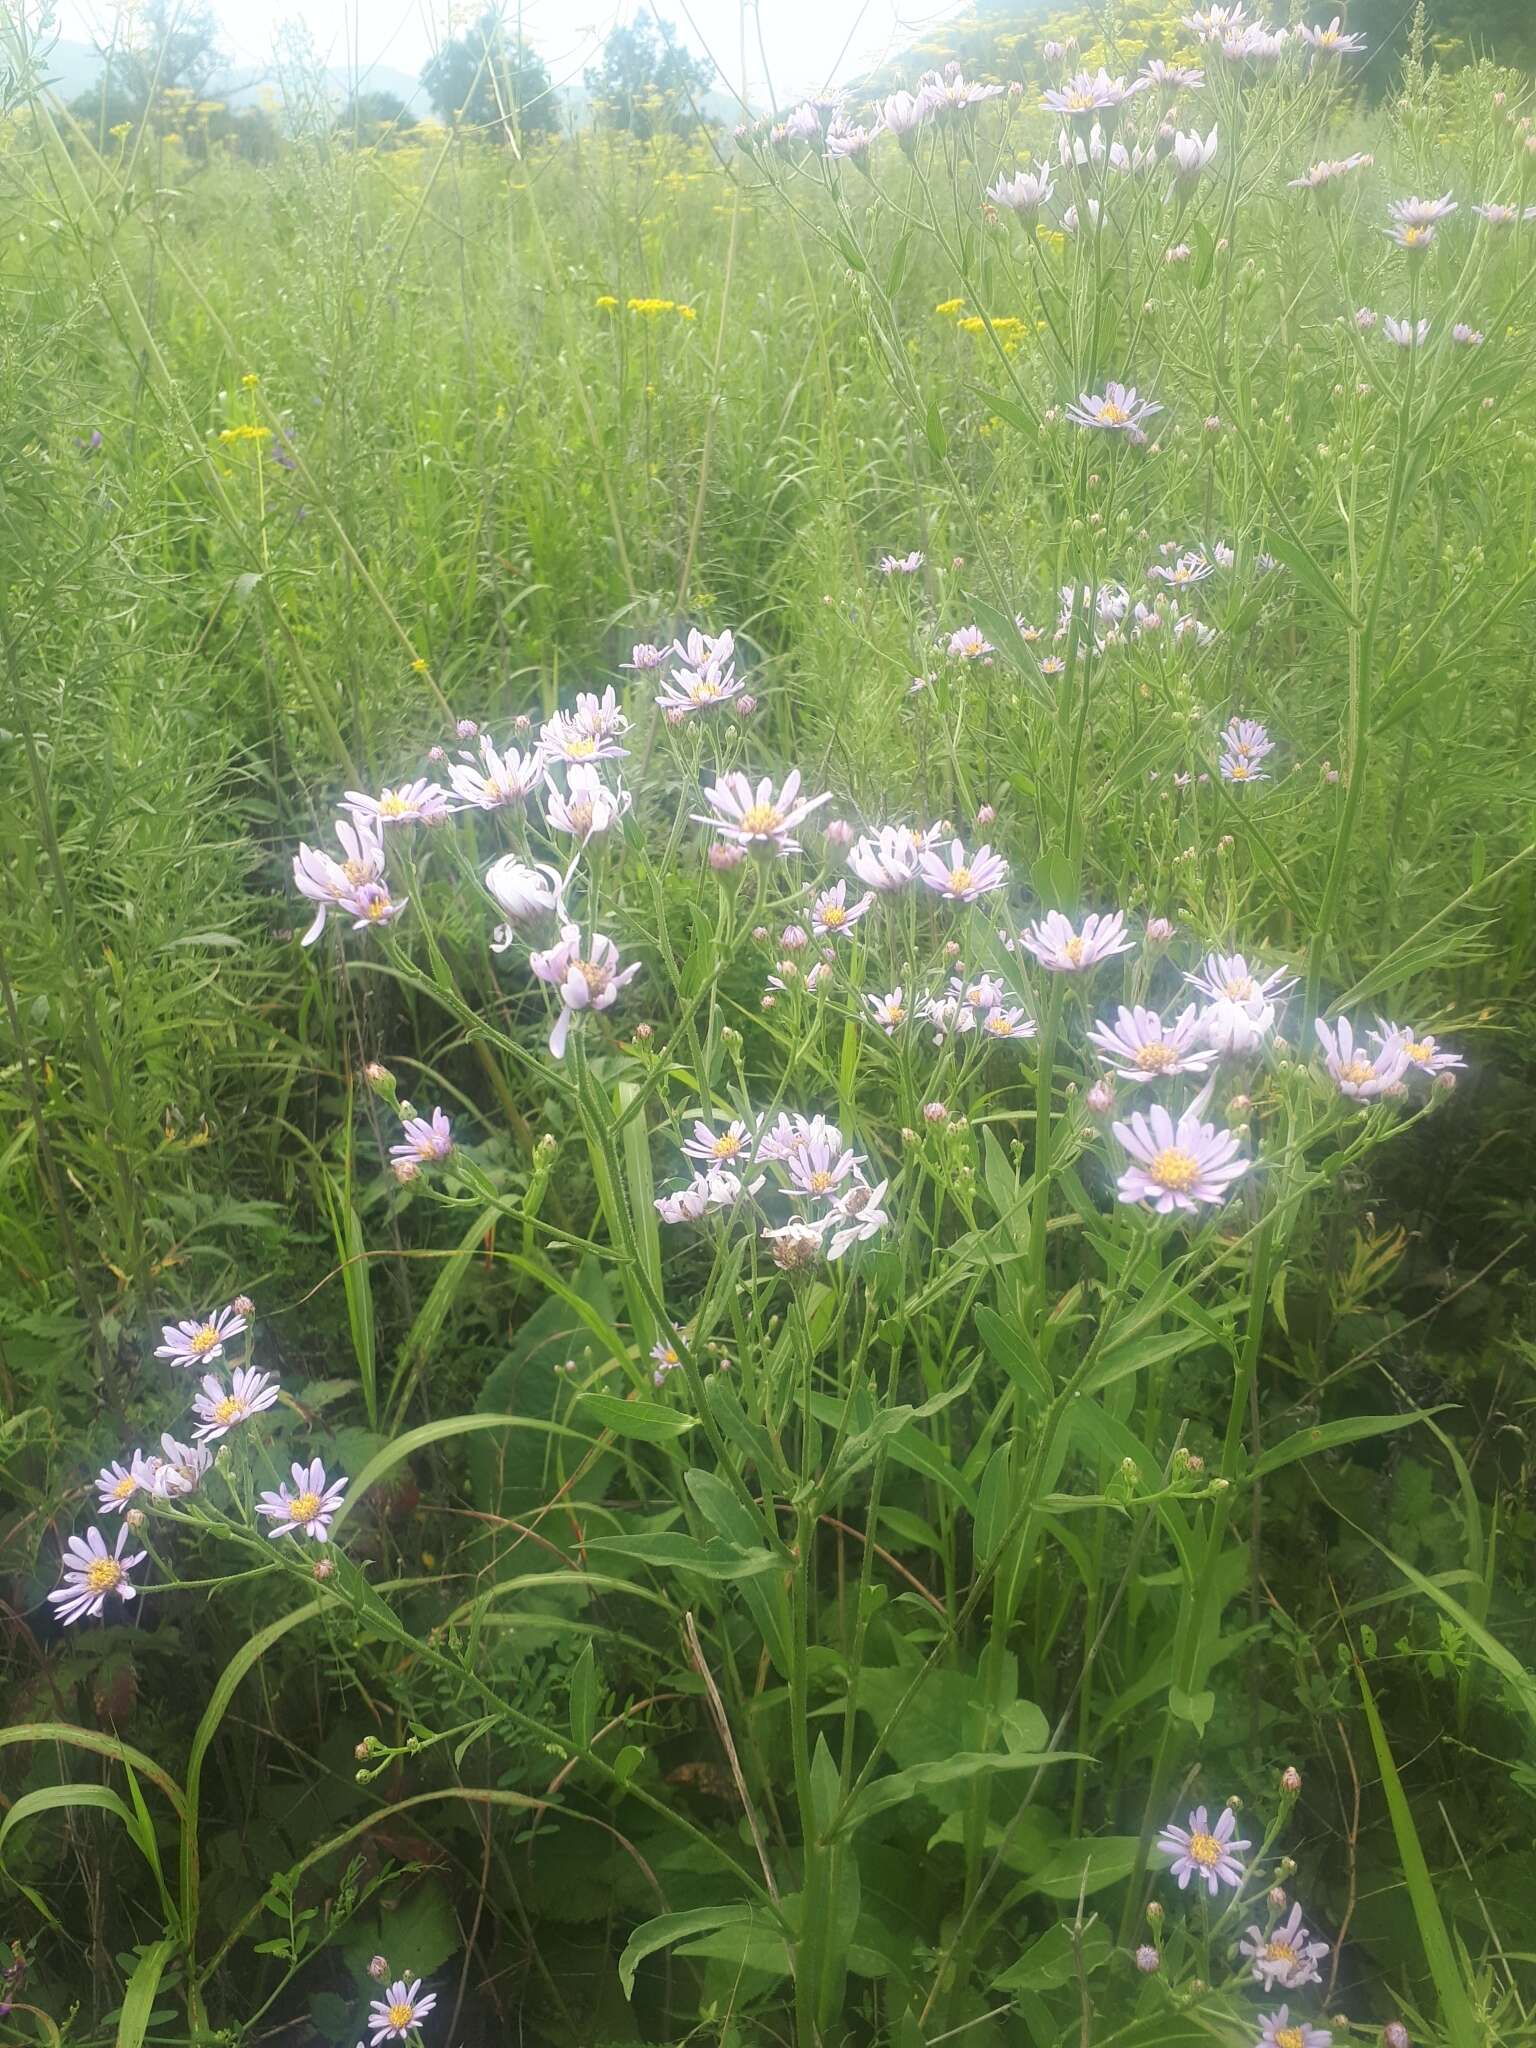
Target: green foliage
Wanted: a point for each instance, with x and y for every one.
(485, 80)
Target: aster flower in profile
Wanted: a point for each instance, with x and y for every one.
(308, 1509)
(421, 802)
(1424, 1053)
(1421, 213)
(969, 644)
(1006, 1023)
(199, 1343)
(706, 1191)
(1323, 178)
(1214, 24)
(643, 657)
(590, 980)
(1205, 1853)
(832, 915)
(523, 892)
(889, 1011)
(220, 1409)
(949, 1016)
(424, 1140)
(587, 805)
(1118, 410)
(954, 93)
(332, 883)
(1365, 318)
(796, 1246)
(902, 565)
(91, 1573)
(960, 876)
(1073, 219)
(1191, 567)
(1416, 240)
(758, 818)
(1138, 1046)
(1057, 944)
(1362, 1076)
(1086, 94)
(731, 1146)
(848, 141)
(1172, 77)
(1279, 2030)
(1256, 44)
(1192, 155)
(855, 1217)
(1497, 215)
(1332, 41)
(1025, 193)
(1288, 1956)
(706, 676)
(589, 733)
(180, 1469)
(400, 2011)
(499, 780)
(901, 115)
(1465, 336)
(116, 1484)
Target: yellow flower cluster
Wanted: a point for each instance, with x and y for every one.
(651, 308)
(246, 433)
(950, 307)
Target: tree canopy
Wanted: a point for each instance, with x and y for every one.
(484, 79)
(646, 81)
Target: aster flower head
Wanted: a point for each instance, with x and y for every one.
(728, 1147)
(796, 1246)
(1421, 213)
(1057, 944)
(1288, 1956)
(371, 905)
(821, 1165)
(1279, 2030)
(969, 644)
(1172, 77)
(1086, 94)
(717, 1188)
(91, 1573)
(901, 115)
(1005, 1023)
(421, 802)
(1227, 977)
(706, 676)
(590, 980)
(1071, 221)
(855, 1217)
(1362, 1076)
(1214, 24)
(1423, 1051)
(306, 1510)
(643, 657)
(589, 733)
(329, 882)
(849, 141)
(1177, 1165)
(792, 1134)
(1465, 336)
(1240, 768)
(424, 1140)
(220, 1409)
(1416, 240)
(902, 565)
(587, 805)
(832, 915)
(1139, 1047)
(757, 818)
(180, 1469)
(1192, 155)
(1025, 193)
(499, 780)
(1496, 215)
(960, 876)
(1119, 410)
(400, 2011)
(116, 1484)
(889, 1011)
(199, 1343)
(523, 892)
(1365, 318)
(1247, 739)
(1332, 41)
(1201, 1851)
(1191, 567)
(1256, 44)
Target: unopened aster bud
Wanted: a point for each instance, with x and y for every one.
(522, 723)
(243, 1306)
(364, 1749)
(725, 855)
(436, 754)
(1155, 1913)
(676, 716)
(405, 1171)
(1290, 1780)
(951, 949)
(935, 1113)
(839, 831)
(643, 1033)
(378, 1969)
(760, 933)
(1159, 930)
(1395, 2035)
(321, 1569)
(986, 815)
(1101, 1097)
(769, 1002)
(746, 704)
(466, 728)
(1148, 1961)
(908, 1135)
(1277, 1899)
(793, 938)
(1213, 423)
(378, 1076)
(548, 1146)
(134, 1518)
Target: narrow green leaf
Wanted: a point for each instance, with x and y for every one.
(648, 1421)
(667, 1928)
(139, 1998)
(1327, 1436)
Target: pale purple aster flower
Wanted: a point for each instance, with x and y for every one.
(1498, 216)
(522, 891)
(1085, 94)
(583, 736)
(1423, 1054)
(890, 858)
(1057, 944)
(1159, 930)
(1177, 1166)
(424, 1139)
(1332, 41)
(960, 876)
(1148, 1959)
(832, 914)
(1365, 319)
(181, 1469)
(804, 124)
(643, 657)
(372, 904)
(587, 805)
(499, 780)
(820, 1167)
(1192, 155)
(1173, 77)
(1421, 213)
(1247, 739)
(330, 882)
(1214, 24)
(706, 677)
(219, 1409)
(1288, 1956)
(729, 1147)
(986, 992)
(91, 1572)
(1006, 1023)
(969, 644)
(414, 803)
(948, 1015)
(1071, 221)
(1025, 193)
(1330, 170)
(902, 115)
(1279, 2030)
(308, 1509)
(792, 1134)
(199, 1343)
(889, 1010)
(1395, 2035)
(1227, 977)
(1240, 768)
(757, 818)
(1231, 1027)
(956, 94)
(1189, 568)
(116, 1484)
(855, 1216)
(590, 981)
(1360, 1075)
(902, 565)
(1414, 239)
(402, 2009)
(1119, 409)
(847, 140)
(665, 1358)
(1256, 44)
(1208, 1854)
(1465, 336)
(1140, 1048)
(795, 1246)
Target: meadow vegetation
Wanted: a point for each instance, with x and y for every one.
(766, 974)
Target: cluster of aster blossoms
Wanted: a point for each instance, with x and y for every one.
(798, 1161)
(92, 1573)
(704, 678)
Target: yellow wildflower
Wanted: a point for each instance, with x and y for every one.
(649, 308)
(949, 307)
(246, 433)
(606, 301)
(250, 380)
(419, 666)
(687, 313)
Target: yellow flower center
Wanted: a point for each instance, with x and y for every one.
(597, 978)
(580, 816)
(1357, 1071)
(1079, 102)
(1112, 415)
(579, 746)
(400, 2016)
(999, 1025)
(102, 1574)
(1156, 1058)
(1178, 1171)
(1412, 237)
(204, 1338)
(1420, 1050)
(378, 907)
(819, 1181)
(1280, 1952)
(1239, 989)
(126, 1487)
(760, 818)
(1074, 949)
(705, 689)
(895, 1013)
(960, 880)
(726, 1146)
(392, 806)
(356, 870)
(833, 914)
(304, 1507)
(1290, 2037)
(230, 1409)
(1239, 771)
(1203, 1849)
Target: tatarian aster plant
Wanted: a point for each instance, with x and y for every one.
(891, 857)
(414, 803)
(1288, 1956)
(832, 914)
(199, 1343)
(180, 1469)
(1424, 1054)
(424, 1140)
(1119, 409)
(1139, 1047)
(1360, 1075)
(116, 1484)
(1058, 945)
(1281, 2031)
(585, 981)
(499, 780)
(400, 2011)
(309, 1508)
(1332, 41)
(1205, 1853)
(219, 1410)
(1177, 1166)
(758, 818)
(334, 884)
(719, 1148)
(91, 1572)
(960, 876)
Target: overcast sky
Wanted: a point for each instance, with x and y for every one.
(798, 44)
